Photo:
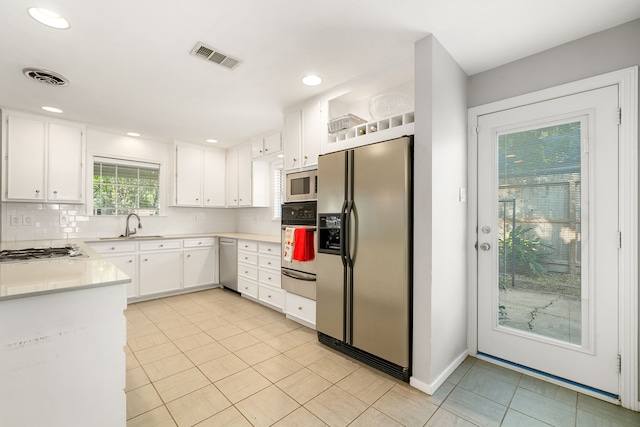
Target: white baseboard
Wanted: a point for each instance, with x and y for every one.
(431, 388)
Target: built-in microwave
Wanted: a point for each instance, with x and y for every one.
(302, 186)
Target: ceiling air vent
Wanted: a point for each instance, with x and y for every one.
(45, 76)
(208, 53)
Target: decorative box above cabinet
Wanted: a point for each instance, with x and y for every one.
(44, 160)
(199, 176)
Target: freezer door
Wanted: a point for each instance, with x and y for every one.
(380, 225)
(330, 287)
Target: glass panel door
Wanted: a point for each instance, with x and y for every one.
(539, 265)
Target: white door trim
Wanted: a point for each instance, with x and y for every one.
(627, 81)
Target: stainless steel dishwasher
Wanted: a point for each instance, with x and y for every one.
(229, 263)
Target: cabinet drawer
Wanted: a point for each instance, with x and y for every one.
(248, 245)
(248, 288)
(113, 248)
(269, 248)
(271, 277)
(271, 296)
(248, 271)
(199, 243)
(301, 307)
(160, 245)
(248, 257)
(266, 261)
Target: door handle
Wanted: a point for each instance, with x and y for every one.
(485, 246)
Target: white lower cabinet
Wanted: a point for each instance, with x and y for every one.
(199, 267)
(199, 262)
(248, 287)
(160, 272)
(301, 309)
(272, 296)
(128, 265)
(161, 267)
(124, 256)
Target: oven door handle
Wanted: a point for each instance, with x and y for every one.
(299, 276)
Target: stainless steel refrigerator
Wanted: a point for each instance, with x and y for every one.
(364, 262)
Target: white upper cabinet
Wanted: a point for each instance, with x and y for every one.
(200, 176)
(302, 137)
(270, 144)
(247, 180)
(188, 176)
(66, 159)
(44, 160)
(214, 175)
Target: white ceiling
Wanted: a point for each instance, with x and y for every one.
(130, 69)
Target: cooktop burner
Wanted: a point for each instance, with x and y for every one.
(28, 254)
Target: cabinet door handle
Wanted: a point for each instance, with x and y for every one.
(162, 246)
(189, 256)
(55, 191)
(299, 308)
(268, 296)
(130, 261)
(37, 191)
(146, 259)
(199, 243)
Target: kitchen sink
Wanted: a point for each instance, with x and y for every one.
(131, 238)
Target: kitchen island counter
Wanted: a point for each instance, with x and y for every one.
(23, 279)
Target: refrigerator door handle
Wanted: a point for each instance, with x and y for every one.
(343, 232)
(347, 234)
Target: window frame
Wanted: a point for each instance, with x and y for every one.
(125, 161)
(276, 211)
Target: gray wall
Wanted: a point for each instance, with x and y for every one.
(599, 53)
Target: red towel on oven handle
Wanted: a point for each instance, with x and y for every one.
(303, 249)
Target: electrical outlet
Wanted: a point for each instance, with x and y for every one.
(463, 195)
(64, 220)
(195, 218)
(27, 219)
(15, 220)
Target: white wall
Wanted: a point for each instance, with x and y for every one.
(440, 170)
(80, 224)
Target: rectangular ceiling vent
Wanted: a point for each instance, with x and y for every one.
(208, 53)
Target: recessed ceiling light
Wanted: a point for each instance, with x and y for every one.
(311, 80)
(133, 134)
(213, 141)
(49, 18)
(52, 109)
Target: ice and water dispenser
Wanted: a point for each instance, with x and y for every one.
(329, 226)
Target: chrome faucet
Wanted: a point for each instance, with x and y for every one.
(127, 231)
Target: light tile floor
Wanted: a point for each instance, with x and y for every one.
(212, 358)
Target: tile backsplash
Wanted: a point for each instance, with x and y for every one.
(33, 221)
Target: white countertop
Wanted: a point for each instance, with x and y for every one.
(39, 277)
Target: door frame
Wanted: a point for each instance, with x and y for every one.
(629, 328)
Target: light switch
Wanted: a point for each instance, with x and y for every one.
(462, 196)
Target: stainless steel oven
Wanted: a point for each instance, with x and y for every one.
(302, 186)
(299, 277)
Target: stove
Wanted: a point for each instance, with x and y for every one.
(31, 254)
